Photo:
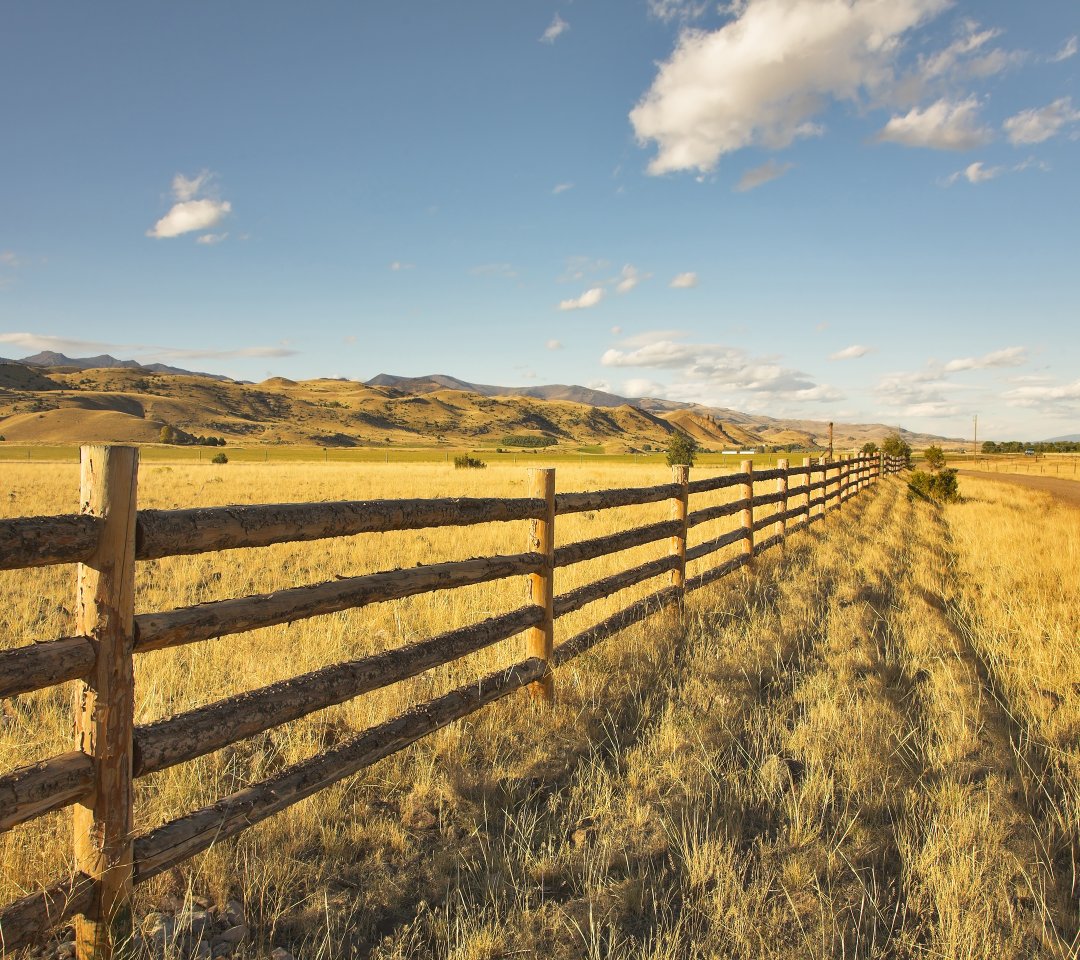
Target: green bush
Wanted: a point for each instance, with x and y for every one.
(220, 458)
(465, 462)
(940, 487)
(681, 450)
(526, 440)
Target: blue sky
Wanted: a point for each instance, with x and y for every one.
(837, 209)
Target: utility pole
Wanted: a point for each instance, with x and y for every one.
(830, 440)
(975, 440)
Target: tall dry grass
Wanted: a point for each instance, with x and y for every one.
(816, 760)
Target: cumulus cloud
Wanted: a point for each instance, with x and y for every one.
(762, 78)
(590, 298)
(712, 373)
(556, 29)
(1051, 399)
(853, 352)
(629, 277)
(554, 345)
(191, 213)
(944, 125)
(139, 351)
(1042, 123)
(603, 385)
(641, 387)
(684, 281)
(1008, 357)
(757, 176)
(976, 172)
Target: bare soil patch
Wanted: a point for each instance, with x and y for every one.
(1066, 490)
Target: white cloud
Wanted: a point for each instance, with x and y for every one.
(920, 393)
(398, 265)
(1067, 50)
(185, 188)
(139, 351)
(1049, 399)
(640, 387)
(713, 373)
(211, 239)
(757, 176)
(590, 298)
(684, 10)
(629, 277)
(602, 385)
(853, 352)
(616, 330)
(976, 172)
(764, 76)
(556, 29)
(554, 345)
(1040, 124)
(1009, 357)
(684, 281)
(188, 216)
(580, 267)
(944, 125)
(561, 188)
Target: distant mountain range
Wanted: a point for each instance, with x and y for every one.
(1068, 438)
(48, 358)
(50, 397)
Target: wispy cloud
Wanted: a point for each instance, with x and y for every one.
(684, 281)
(191, 213)
(1068, 50)
(556, 29)
(629, 278)
(398, 265)
(682, 10)
(138, 351)
(211, 239)
(757, 176)
(1008, 357)
(506, 270)
(590, 298)
(561, 188)
(1040, 124)
(554, 345)
(853, 352)
(944, 125)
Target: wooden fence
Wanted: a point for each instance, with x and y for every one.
(110, 535)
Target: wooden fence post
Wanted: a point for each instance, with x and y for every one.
(807, 461)
(105, 704)
(781, 507)
(680, 504)
(747, 491)
(540, 640)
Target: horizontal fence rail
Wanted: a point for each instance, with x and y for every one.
(111, 751)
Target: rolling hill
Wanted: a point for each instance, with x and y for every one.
(121, 402)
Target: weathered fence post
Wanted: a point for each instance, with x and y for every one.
(540, 640)
(781, 507)
(746, 489)
(680, 503)
(104, 708)
(807, 461)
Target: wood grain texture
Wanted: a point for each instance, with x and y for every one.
(42, 541)
(23, 669)
(33, 790)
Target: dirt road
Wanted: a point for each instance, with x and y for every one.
(1067, 490)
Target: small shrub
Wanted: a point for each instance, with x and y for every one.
(681, 450)
(220, 458)
(465, 462)
(941, 487)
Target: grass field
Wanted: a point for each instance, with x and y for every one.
(867, 747)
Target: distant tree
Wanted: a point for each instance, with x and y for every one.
(220, 458)
(935, 458)
(167, 434)
(869, 448)
(681, 449)
(989, 446)
(896, 446)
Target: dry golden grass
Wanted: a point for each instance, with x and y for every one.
(866, 747)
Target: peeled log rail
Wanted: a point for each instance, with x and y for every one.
(44, 664)
(205, 729)
(711, 546)
(597, 590)
(42, 541)
(604, 499)
(29, 920)
(613, 543)
(52, 784)
(168, 533)
(635, 613)
(714, 513)
(221, 617)
(717, 483)
(717, 573)
(175, 842)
